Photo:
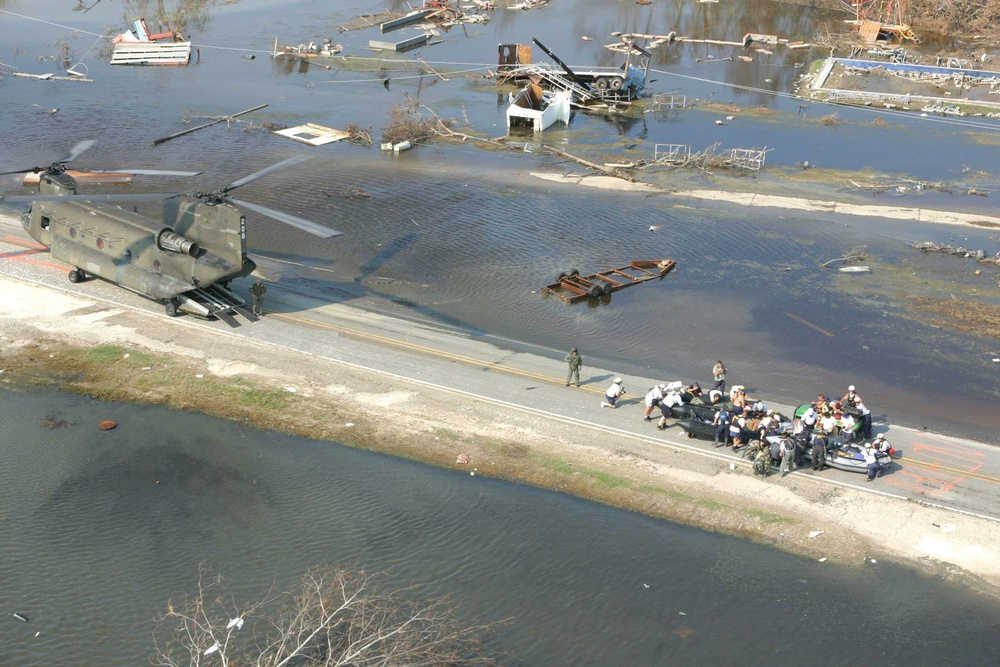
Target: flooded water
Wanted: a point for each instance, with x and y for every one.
(101, 528)
(467, 236)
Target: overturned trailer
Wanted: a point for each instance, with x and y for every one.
(538, 109)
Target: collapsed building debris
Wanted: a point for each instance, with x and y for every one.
(596, 84)
(958, 251)
(680, 155)
(908, 186)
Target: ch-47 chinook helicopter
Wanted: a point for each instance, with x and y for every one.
(186, 258)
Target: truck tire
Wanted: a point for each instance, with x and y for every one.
(607, 288)
(594, 290)
(601, 83)
(573, 273)
(617, 83)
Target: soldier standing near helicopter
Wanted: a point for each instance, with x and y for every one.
(258, 289)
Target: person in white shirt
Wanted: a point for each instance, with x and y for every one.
(653, 398)
(847, 425)
(613, 393)
(829, 425)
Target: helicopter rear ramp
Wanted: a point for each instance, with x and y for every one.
(215, 301)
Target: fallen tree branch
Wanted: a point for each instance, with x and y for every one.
(610, 171)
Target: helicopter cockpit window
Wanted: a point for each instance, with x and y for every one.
(45, 222)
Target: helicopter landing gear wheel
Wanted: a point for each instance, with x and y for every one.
(171, 308)
(76, 276)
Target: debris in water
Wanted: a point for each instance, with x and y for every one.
(683, 632)
(107, 425)
(816, 533)
(21, 617)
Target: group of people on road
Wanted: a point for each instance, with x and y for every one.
(742, 421)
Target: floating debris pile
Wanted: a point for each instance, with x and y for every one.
(978, 255)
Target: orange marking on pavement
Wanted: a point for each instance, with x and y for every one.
(21, 242)
(955, 456)
(809, 324)
(25, 257)
(919, 483)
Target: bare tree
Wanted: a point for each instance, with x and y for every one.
(333, 617)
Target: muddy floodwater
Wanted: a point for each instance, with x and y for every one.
(466, 236)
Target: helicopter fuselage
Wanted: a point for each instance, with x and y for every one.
(204, 245)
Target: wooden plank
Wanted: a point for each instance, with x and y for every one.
(312, 134)
(32, 178)
(151, 53)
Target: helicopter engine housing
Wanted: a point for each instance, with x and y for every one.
(171, 241)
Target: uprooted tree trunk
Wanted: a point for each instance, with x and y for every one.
(333, 617)
(857, 255)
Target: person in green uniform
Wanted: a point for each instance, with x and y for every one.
(258, 289)
(575, 362)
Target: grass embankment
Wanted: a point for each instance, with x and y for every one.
(120, 373)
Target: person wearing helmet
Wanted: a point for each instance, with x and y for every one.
(574, 363)
(851, 398)
(613, 393)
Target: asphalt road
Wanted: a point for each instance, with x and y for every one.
(944, 472)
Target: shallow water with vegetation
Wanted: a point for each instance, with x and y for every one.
(101, 528)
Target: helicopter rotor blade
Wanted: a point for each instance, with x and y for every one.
(27, 199)
(263, 172)
(288, 219)
(145, 172)
(76, 151)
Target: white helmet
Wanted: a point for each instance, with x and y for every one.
(618, 380)
(851, 388)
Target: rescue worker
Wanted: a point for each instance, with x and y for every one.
(871, 460)
(866, 421)
(809, 419)
(736, 424)
(762, 461)
(258, 290)
(819, 453)
(847, 426)
(575, 362)
(721, 424)
(787, 455)
(851, 398)
(719, 375)
(612, 394)
(653, 398)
